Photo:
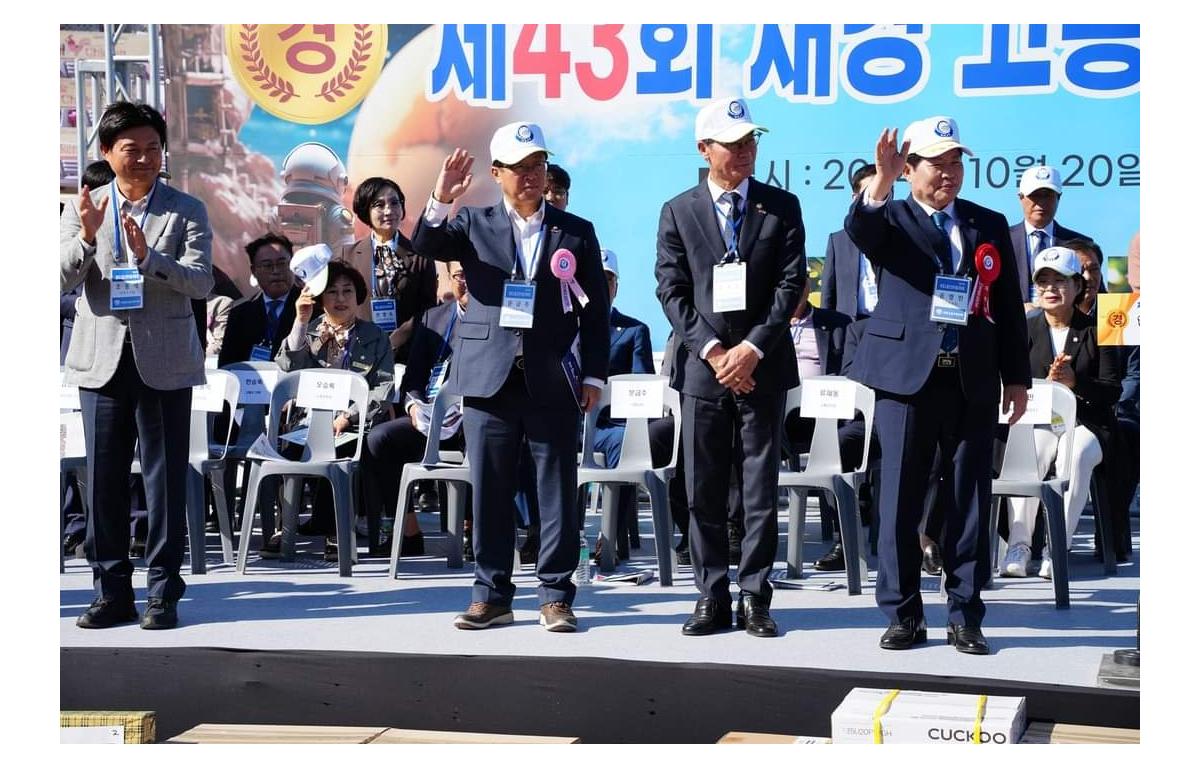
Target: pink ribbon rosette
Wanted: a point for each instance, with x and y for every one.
(987, 263)
(562, 266)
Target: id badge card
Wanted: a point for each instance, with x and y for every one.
(729, 287)
(951, 299)
(517, 310)
(260, 352)
(437, 377)
(126, 289)
(383, 314)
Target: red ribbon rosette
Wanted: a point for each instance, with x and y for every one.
(987, 264)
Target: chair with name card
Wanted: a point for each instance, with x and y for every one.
(634, 397)
(206, 462)
(829, 400)
(1049, 403)
(256, 380)
(448, 467)
(322, 392)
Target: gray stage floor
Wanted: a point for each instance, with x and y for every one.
(303, 604)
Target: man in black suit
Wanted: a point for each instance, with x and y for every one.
(848, 282)
(730, 271)
(1040, 191)
(258, 326)
(937, 382)
(536, 286)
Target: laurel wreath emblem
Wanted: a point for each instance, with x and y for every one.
(280, 88)
(344, 81)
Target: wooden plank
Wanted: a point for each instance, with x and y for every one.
(409, 736)
(1040, 732)
(749, 737)
(241, 733)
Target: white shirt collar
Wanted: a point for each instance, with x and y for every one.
(394, 243)
(930, 210)
(742, 189)
(522, 223)
(1030, 229)
(138, 205)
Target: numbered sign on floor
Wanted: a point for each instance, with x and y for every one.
(636, 399)
(827, 398)
(324, 391)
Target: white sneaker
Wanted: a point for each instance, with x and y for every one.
(1016, 562)
(1047, 569)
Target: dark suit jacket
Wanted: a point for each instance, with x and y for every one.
(839, 275)
(428, 334)
(628, 345)
(898, 349)
(1097, 370)
(247, 326)
(482, 239)
(1020, 245)
(414, 288)
(830, 327)
(771, 244)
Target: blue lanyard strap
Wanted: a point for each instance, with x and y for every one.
(112, 196)
(519, 264)
(441, 358)
(736, 224)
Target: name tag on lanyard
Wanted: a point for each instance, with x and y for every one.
(125, 281)
(260, 352)
(383, 314)
(517, 309)
(729, 287)
(951, 299)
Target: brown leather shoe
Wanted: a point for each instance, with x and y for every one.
(484, 615)
(558, 617)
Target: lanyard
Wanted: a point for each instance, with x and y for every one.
(446, 338)
(393, 244)
(345, 363)
(518, 262)
(117, 215)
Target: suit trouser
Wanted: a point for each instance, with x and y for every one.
(742, 432)
(493, 427)
(910, 429)
(162, 419)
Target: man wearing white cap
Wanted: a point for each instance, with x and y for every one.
(949, 328)
(536, 285)
(730, 271)
(1039, 192)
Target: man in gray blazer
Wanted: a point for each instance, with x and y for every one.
(142, 252)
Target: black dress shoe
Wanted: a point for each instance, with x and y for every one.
(104, 613)
(833, 560)
(754, 617)
(73, 544)
(683, 556)
(903, 634)
(967, 639)
(931, 560)
(160, 614)
(708, 617)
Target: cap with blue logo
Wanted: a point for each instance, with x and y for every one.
(1062, 260)
(933, 136)
(1040, 177)
(311, 265)
(725, 120)
(608, 260)
(514, 142)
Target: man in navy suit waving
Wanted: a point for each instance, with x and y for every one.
(536, 285)
(936, 354)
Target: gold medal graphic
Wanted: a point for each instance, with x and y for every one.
(306, 73)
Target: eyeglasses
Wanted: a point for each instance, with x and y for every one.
(525, 169)
(1044, 284)
(271, 266)
(747, 141)
(458, 277)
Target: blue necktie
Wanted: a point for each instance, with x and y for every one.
(940, 218)
(273, 306)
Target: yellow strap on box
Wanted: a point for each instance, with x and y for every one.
(980, 708)
(880, 711)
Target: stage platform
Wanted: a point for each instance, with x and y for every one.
(294, 643)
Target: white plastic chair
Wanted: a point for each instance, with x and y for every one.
(206, 462)
(318, 460)
(823, 471)
(635, 467)
(441, 466)
(1020, 478)
(253, 423)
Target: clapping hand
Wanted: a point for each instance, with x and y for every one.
(455, 176)
(1061, 371)
(91, 218)
(135, 237)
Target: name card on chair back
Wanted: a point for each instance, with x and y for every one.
(256, 386)
(1038, 409)
(324, 391)
(209, 396)
(636, 399)
(825, 398)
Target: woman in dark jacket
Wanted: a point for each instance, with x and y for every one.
(1063, 348)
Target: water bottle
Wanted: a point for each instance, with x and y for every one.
(583, 571)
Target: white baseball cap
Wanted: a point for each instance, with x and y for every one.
(933, 136)
(1040, 177)
(1062, 260)
(609, 260)
(725, 120)
(514, 142)
(311, 265)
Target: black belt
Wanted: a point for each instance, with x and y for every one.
(945, 360)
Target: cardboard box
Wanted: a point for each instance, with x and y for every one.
(139, 726)
(927, 717)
